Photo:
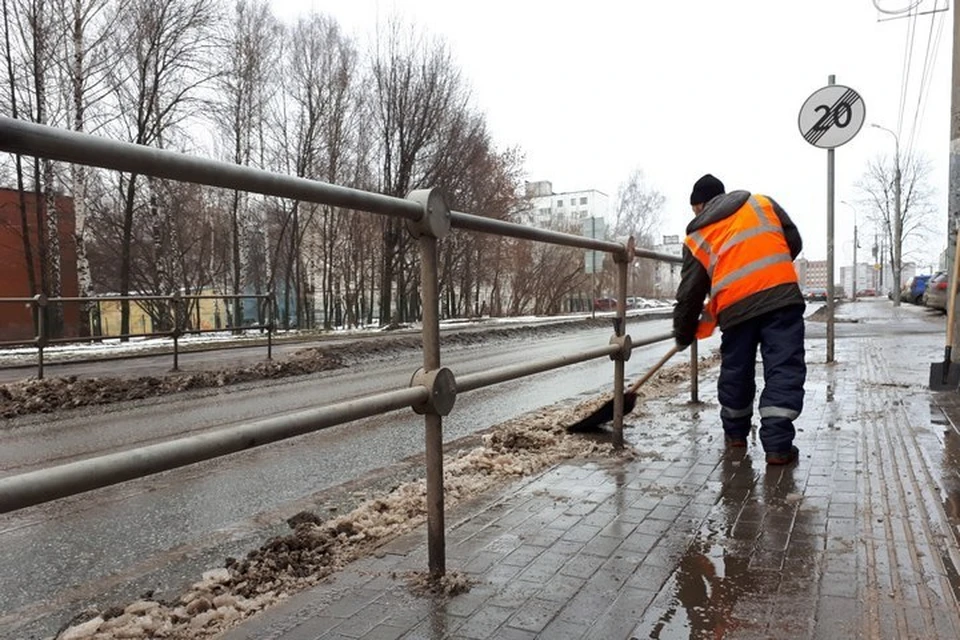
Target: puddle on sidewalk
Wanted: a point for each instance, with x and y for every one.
(732, 571)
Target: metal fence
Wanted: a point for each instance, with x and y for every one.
(40, 309)
(433, 388)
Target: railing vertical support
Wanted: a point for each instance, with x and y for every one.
(40, 301)
(433, 422)
(434, 224)
(622, 261)
(618, 362)
(270, 326)
(694, 374)
(175, 332)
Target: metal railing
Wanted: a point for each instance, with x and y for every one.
(41, 313)
(433, 387)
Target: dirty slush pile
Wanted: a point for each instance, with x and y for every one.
(54, 394)
(316, 548)
(33, 396)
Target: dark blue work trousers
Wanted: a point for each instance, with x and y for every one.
(779, 334)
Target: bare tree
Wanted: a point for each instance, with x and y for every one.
(163, 59)
(84, 66)
(418, 98)
(639, 212)
(249, 58)
(878, 187)
(639, 209)
(12, 99)
(487, 184)
(325, 66)
(41, 36)
(34, 31)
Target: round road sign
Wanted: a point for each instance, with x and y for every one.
(831, 116)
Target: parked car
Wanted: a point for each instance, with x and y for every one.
(816, 295)
(636, 302)
(935, 293)
(605, 304)
(913, 290)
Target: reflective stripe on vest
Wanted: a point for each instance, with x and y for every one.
(738, 270)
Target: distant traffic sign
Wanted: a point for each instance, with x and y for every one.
(832, 116)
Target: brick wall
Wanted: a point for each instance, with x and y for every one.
(15, 318)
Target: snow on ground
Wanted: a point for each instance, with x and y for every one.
(113, 347)
(317, 548)
(54, 393)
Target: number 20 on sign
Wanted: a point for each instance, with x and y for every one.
(832, 116)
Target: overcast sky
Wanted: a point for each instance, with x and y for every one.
(678, 88)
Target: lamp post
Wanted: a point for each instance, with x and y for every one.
(854, 292)
(897, 241)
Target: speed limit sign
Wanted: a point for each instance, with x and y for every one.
(831, 116)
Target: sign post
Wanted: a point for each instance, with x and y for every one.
(831, 117)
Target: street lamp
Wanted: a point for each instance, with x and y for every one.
(854, 295)
(897, 230)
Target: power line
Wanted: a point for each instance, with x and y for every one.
(896, 12)
(907, 64)
(929, 64)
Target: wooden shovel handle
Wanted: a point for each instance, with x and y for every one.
(639, 383)
(952, 289)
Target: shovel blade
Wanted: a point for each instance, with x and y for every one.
(944, 376)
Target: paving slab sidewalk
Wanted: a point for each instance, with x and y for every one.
(859, 539)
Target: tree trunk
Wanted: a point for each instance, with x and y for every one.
(387, 271)
(55, 310)
(14, 111)
(235, 232)
(125, 256)
(79, 177)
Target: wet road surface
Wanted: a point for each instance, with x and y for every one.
(156, 534)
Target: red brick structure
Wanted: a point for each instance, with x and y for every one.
(16, 322)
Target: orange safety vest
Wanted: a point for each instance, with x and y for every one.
(744, 253)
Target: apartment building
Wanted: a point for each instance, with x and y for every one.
(561, 211)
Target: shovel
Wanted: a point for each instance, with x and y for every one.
(604, 414)
(943, 376)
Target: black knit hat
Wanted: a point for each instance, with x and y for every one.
(705, 189)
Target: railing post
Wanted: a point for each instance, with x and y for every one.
(620, 324)
(40, 301)
(694, 374)
(175, 332)
(270, 326)
(434, 224)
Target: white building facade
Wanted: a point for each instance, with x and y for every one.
(666, 275)
(562, 211)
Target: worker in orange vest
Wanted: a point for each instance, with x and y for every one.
(738, 255)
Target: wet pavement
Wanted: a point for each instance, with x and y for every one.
(859, 539)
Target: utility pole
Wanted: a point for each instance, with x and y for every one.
(897, 230)
(953, 197)
(855, 283)
(897, 240)
(854, 256)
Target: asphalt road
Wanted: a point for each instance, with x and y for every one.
(158, 533)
